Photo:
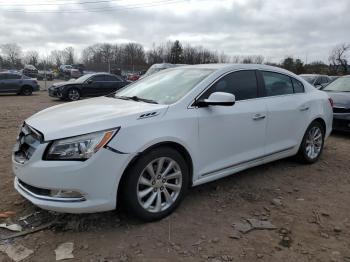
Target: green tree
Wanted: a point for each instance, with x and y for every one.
(176, 53)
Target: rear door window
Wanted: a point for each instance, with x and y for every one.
(13, 76)
(298, 86)
(277, 84)
(111, 78)
(99, 78)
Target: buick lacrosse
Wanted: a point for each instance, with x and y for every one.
(149, 142)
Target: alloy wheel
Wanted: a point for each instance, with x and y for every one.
(314, 142)
(159, 184)
(73, 94)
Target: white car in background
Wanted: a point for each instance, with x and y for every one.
(152, 140)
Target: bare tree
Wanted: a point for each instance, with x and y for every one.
(32, 57)
(134, 53)
(68, 54)
(57, 57)
(223, 58)
(338, 59)
(236, 59)
(12, 53)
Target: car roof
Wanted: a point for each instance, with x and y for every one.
(231, 67)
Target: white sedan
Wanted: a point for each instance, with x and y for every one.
(152, 140)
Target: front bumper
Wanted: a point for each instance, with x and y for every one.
(341, 122)
(96, 179)
(55, 92)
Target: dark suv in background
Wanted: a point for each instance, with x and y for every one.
(16, 83)
(30, 71)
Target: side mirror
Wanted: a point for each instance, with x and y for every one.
(217, 99)
(318, 86)
(90, 81)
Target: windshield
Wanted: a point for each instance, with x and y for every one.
(339, 85)
(165, 87)
(310, 79)
(83, 78)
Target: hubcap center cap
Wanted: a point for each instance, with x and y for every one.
(158, 183)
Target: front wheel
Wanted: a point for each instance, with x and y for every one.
(312, 144)
(156, 184)
(73, 94)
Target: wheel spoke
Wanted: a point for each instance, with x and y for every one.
(159, 201)
(160, 165)
(172, 186)
(169, 167)
(173, 175)
(145, 192)
(145, 181)
(150, 200)
(168, 198)
(150, 170)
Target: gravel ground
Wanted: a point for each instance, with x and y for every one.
(308, 204)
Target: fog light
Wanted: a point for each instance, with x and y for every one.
(65, 194)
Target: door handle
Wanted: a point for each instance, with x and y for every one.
(305, 108)
(258, 117)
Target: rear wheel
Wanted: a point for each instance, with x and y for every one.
(312, 145)
(156, 184)
(26, 90)
(73, 94)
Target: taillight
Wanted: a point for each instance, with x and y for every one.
(331, 101)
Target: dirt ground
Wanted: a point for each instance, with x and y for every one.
(308, 204)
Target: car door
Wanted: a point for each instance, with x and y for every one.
(8, 84)
(287, 107)
(13, 82)
(113, 83)
(94, 86)
(232, 135)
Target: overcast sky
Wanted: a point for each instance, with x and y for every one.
(272, 28)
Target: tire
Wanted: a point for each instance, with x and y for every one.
(73, 94)
(165, 190)
(312, 144)
(26, 91)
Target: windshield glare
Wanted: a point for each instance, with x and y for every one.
(339, 85)
(167, 86)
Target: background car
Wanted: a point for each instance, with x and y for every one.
(339, 91)
(97, 84)
(318, 81)
(30, 71)
(45, 74)
(16, 83)
(75, 73)
(159, 67)
(133, 77)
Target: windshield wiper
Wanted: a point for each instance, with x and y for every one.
(137, 99)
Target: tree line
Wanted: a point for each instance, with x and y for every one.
(134, 57)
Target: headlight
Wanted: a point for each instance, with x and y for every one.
(79, 147)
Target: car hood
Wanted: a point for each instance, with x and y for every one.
(55, 85)
(90, 115)
(340, 99)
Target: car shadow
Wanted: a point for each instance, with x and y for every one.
(341, 134)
